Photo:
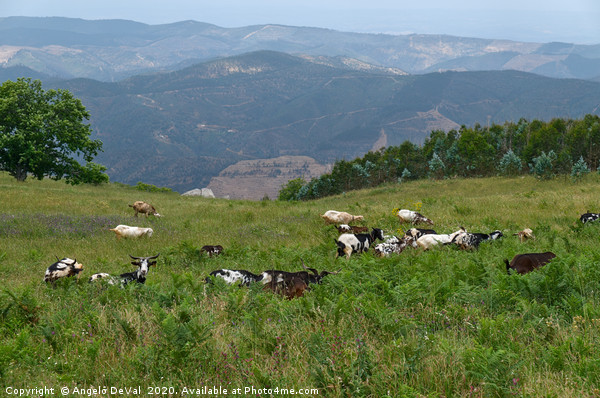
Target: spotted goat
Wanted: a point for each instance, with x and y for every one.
(139, 276)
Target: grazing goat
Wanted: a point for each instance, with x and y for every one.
(63, 268)
(416, 233)
(292, 284)
(357, 243)
(339, 217)
(144, 208)
(430, 240)
(412, 217)
(350, 229)
(138, 276)
(524, 235)
(212, 250)
(125, 231)
(589, 217)
(393, 245)
(232, 276)
(524, 263)
(470, 241)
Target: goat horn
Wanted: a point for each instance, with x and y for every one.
(135, 258)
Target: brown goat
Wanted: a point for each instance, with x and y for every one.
(144, 208)
(524, 263)
(212, 250)
(291, 288)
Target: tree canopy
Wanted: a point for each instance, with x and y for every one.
(42, 133)
(558, 146)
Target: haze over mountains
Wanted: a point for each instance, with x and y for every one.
(177, 104)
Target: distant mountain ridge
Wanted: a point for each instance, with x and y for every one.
(111, 50)
(181, 129)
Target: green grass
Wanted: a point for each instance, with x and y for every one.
(438, 323)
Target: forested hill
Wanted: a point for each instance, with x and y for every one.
(543, 149)
(180, 129)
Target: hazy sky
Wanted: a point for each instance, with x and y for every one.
(525, 20)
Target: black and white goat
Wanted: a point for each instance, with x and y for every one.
(62, 268)
(232, 276)
(589, 217)
(357, 243)
(393, 245)
(471, 241)
(138, 276)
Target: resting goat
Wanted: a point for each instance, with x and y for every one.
(393, 245)
(138, 276)
(144, 208)
(524, 263)
(292, 284)
(430, 240)
(412, 217)
(525, 234)
(212, 250)
(357, 243)
(232, 276)
(125, 231)
(339, 217)
(63, 268)
(470, 241)
(589, 217)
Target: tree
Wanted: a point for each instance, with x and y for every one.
(42, 133)
(290, 190)
(542, 166)
(510, 164)
(437, 167)
(579, 169)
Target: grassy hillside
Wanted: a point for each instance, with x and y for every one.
(438, 323)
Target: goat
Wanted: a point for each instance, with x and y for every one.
(525, 234)
(418, 232)
(589, 217)
(211, 250)
(292, 284)
(138, 276)
(524, 263)
(430, 240)
(144, 208)
(350, 229)
(393, 245)
(232, 276)
(470, 241)
(63, 268)
(339, 217)
(357, 243)
(125, 231)
(412, 217)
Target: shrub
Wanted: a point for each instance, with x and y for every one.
(579, 169)
(510, 164)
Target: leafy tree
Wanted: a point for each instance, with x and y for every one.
(510, 164)
(437, 166)
(41, 133)
(579, 169)
(290, 190)
(542, 166)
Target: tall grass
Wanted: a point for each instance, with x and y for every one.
(438, 323)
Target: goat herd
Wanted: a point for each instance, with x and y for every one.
(352, 239)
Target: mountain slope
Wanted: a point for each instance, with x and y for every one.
(180, 129)
(110, 50)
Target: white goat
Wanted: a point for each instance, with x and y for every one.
(430, 240)
(412, 217)
(339, 217)
(126, 231)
